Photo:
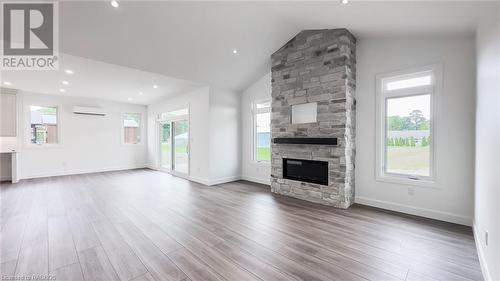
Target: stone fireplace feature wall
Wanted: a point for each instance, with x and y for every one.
(316, 66)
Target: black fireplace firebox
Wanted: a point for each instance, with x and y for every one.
(306, 170)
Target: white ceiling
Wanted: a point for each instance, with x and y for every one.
(95, 79)
(194, 40)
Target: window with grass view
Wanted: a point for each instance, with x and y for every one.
(262, 131)
(408, 135)
(132, 128)
(407, 132)
(43, 124)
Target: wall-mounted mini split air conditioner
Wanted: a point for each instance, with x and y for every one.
(86, 110)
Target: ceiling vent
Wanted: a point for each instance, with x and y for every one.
(86, 110)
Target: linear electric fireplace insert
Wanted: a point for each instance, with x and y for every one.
(306, 170)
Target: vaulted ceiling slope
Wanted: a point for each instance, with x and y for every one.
(195, 40)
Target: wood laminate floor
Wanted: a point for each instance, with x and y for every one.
(148, 225)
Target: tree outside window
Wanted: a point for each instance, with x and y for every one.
(408, 135)
(43, 125)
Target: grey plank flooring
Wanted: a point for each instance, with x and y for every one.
(145, 277)
(193, 267)
(62, 250)
(8, 268)
(147, 225)
(72, 272)
(96, 266)
(125, 262)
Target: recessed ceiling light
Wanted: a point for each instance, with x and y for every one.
(62, 90)
(69, 71)
(141, 93)
(65, 82)
(115, 4)
(235, 51)
(345, 1)
(155, 86)
(129, 99)
(7, 83)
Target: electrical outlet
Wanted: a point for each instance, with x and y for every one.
(411, 191)
(486, 238)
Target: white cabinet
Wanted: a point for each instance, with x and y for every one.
(8, 120)
(8, 115)
(8, 134)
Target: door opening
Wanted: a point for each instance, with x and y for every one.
(174, 142)
(181, 146)
(165, 146)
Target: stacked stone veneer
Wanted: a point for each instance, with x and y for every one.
(316, 66)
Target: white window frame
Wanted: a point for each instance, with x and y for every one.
(122, 130)
(434, 90)
(256, 111)
(29, 144)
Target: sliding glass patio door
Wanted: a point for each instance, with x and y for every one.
(181, 147)
(166, 146)
(174, 142)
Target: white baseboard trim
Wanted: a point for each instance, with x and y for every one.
(417, 211)
(206, 182)
(224, 180)
(6, 178)
(200, 180)
(257, 180)
(480, 253)
(79, 172)
(214, 182)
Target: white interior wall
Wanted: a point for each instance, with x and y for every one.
(452, 200)
(87, 143)
(214, 133)
(225, 162)
(252, 170)
(487, 184)
(198, 103)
